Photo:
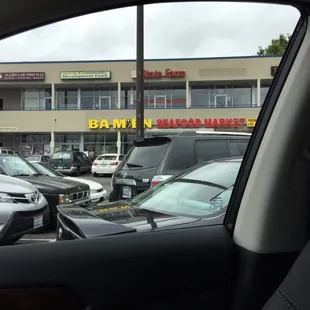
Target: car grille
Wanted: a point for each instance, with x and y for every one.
(25, 198)
(79, 195)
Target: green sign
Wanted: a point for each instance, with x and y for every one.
(85, 75)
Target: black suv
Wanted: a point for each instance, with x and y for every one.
(157, 158)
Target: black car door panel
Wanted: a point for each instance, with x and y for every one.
(196, 262)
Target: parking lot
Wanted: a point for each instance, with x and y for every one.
(48, 236)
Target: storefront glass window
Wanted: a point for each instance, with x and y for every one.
(67, 99)
(163, 97)
(221, 96)
(125, 98)
(104, 143)
(99, 98)
(263, 93)
(35, 144)
(36, 99)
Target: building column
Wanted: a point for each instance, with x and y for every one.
(119, 142)
(52, 143)
(82, 143)
(79, 99)
(119, 93)
(258, 93)
(53, 103)
(131, 99)
(188, 95)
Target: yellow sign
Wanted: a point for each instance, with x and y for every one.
(117, 123)
(85, 75)
(251, 122)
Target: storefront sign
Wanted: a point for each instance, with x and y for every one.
(273, 70)
(85, 75)
(251, 122)
(8, 129)
(117, 123)
(198, 123)
(22, 76)
(167, 74)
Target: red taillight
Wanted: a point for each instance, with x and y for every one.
(94, 163)
(155, 183)
(72, 164)
(49, 163)
(115, 163)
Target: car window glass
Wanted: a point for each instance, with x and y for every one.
(189, 195)
(243, 146)
(121, 157)
(223, 173)
(233, 149)
(10, 152)
(109, 157)
(15, 165)
(210, 149)
(145, 156)
(42, 168)
(61, 155)
(33, 158)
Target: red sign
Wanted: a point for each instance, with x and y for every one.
(198, 123)
(22, 76)
(273, 70)
(168, 74)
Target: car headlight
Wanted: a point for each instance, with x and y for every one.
(64, 198)
(5, 198)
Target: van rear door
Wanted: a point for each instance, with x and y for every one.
(61, 160)
(136, 171)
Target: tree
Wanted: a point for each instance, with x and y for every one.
(277, 46)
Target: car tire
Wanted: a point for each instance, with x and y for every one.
(95, 175)
(77, 172)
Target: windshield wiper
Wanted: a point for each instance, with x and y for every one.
(20, 175)
(201, 183)
(133, 165)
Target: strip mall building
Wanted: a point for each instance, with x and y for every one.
(84, 105)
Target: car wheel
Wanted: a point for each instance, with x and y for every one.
(95, 174)
(78, 171)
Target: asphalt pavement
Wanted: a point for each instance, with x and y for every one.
(49, 236)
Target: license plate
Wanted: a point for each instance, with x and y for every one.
(103, 165)
(38, 221)
(126, 192)
(60, 167)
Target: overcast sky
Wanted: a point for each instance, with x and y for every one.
(174, 30)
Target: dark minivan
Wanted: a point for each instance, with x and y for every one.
(157, 158)
(72, 162)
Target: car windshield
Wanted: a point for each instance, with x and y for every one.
(17, 166)
(200, 193)
(33, 158)
(46, 170)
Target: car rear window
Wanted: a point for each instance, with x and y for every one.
(33, 158)
(107, 157)
(145, 156)
(61, 155)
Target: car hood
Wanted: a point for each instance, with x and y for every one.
(116, 218)
(92, 184)
(47, 184)
(15, 185)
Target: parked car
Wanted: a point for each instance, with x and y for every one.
(42, 158)
(23, 209)
(97, 192)
(106, 164)
(5, 150)
(199, 194)
(72, 162)
(56, 191)
(158, 158)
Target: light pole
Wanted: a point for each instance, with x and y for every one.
(140, 74)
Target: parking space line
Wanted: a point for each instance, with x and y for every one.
(30, 239)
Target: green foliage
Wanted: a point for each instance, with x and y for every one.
(277, 46)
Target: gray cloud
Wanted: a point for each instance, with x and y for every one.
(171, 30)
